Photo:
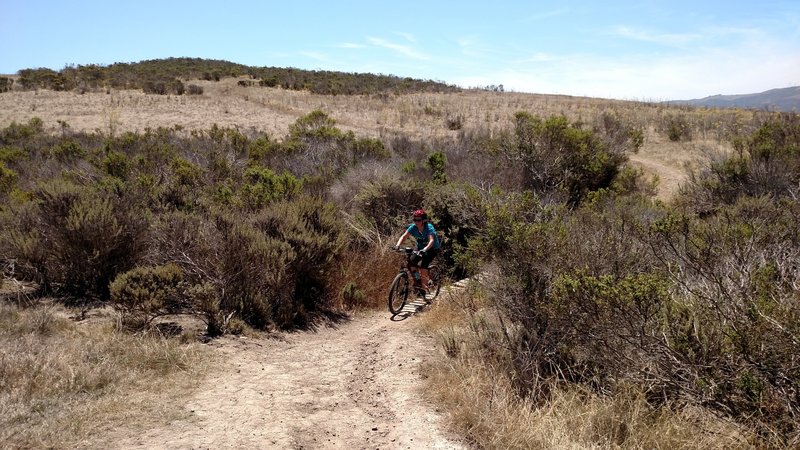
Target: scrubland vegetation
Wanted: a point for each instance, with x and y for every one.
(607, 317)
(167, 76)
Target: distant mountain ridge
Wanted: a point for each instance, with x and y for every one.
(782, 99)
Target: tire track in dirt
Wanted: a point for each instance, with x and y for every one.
(356, 385)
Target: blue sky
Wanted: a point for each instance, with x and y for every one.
(646, 50)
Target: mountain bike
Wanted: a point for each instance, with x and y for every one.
(407, 281)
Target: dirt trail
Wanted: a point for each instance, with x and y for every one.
(353, 386)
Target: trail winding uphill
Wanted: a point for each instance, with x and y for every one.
(357, 385)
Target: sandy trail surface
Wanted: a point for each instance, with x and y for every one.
(355, 385)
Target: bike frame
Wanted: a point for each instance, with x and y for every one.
(409, 269)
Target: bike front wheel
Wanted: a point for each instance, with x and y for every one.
(398, 293)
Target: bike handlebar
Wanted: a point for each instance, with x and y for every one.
(406, 250)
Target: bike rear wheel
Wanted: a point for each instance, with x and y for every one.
(398, 293)
(435, 282)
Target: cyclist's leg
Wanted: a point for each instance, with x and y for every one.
(414, 268)
(425, 265)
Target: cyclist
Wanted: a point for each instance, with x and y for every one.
(427, 244)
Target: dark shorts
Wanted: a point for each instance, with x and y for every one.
(425, 261)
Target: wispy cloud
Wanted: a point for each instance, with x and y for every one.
(717, 31)
(656, 38)
(350, 45)
(407, 36)
(538, 57)
(474, 47)
(321, 57)
(404, 50)
(546, 15)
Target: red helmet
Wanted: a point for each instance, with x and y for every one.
(421, 214)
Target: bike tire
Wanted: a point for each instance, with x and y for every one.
(398, 293)
(437, 279)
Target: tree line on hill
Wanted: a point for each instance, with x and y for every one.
(164, 76)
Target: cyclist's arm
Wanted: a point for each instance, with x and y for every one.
(430, 243)
(402, 238)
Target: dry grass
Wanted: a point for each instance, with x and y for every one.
(481, 404)
(368, 272)
(65, 384)
(421, 115)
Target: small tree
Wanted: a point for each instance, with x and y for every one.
(436, 163)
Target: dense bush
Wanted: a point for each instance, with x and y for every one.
(5, 84)
(75, 240)
(698, 310)
(389, 202)
(8, 178)
(766, 163)
(562, 158)
(457, 212)
(313, 231)
(263, 186)
(676, 127)
(144, 293)
(736, 324)
(164, 86)
(270, 269)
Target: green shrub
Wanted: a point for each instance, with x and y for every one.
(186, 173)
(144, 293)
(618, 133)
(8, 178)
(116, 164)
(16, 132)
(184, 188)
(12, 155)
(560, 157)
(352, 294)
(164, 87)
(68, 150)
(263, 149)
(436, 163)
(677, 128)
(263, 186)
(737, 329)
(622, 290)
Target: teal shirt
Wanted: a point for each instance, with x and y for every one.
(422, 237)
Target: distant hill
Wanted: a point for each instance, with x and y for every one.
(784, 99)
(167, 75)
